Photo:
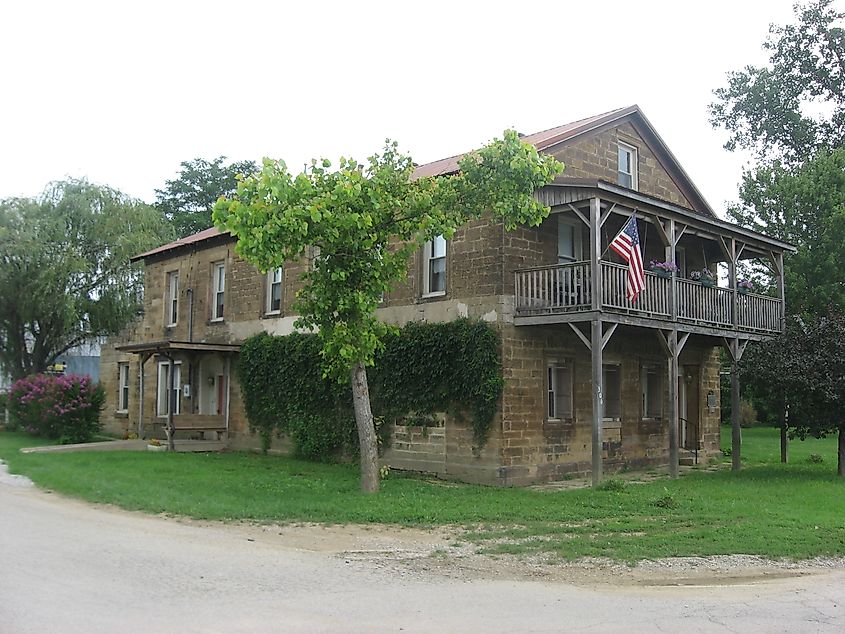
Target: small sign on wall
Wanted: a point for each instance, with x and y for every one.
(711, 401)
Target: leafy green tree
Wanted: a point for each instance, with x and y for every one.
(804, 368)
(65, 276)
(804, 205)
(362, 223)
(795, 104)
(188, 200)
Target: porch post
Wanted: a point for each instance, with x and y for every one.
(736, 432)
(596, 343)
(171, 398)
(142, 359)
(674, 422)
(226, 372)
(671, 255)
(598, 398)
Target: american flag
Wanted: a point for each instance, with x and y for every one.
(627, 245)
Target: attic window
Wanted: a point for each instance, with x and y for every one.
(627, 166)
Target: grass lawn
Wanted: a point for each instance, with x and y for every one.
(795, 510)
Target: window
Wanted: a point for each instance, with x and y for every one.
(627, 166)
(559, 385)
(434, 267)
(162, 402)
(274, 291)
(123, 387)
(568, 241)
(172, 306)
(652, 387)
(219, 272)
(611, 378)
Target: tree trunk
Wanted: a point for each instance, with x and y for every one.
(366, 429)
(784, 437)
(841, 465)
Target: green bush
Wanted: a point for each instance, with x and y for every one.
(422, 369)
(66, 408)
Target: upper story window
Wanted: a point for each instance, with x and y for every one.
(218, 290)
(123, 387)
(652, 388)
(172, 298)
(274, 291)
(627, 165)
(434, 267)
(559, 386)
(568, 241)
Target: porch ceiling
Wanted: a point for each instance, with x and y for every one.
(154, 347)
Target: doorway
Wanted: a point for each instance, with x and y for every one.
(688, 407)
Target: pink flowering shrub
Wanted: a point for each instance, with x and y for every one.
(63, 407)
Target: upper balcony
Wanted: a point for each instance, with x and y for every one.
(564, 292)
(564, 270)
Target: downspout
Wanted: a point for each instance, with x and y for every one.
(190, 293)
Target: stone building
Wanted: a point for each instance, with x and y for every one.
(593, 380)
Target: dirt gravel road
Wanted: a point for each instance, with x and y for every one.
(66, 566)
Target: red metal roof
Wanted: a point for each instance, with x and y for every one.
(540, 140)
(205, 234)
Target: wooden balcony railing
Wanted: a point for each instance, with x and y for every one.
(567, 288)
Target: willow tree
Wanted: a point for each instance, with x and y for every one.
(361, 223)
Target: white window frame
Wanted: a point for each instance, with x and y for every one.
(172, 306)
(163, 403)
(552, 370)
(272, 274)
(122, 387)
(647, 375)
(577, 245)
(218, 289)
(633, 175)
(605, 417)
(432, 251)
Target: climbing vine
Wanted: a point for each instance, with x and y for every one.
(423, 368)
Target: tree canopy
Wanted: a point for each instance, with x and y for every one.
(65, 276)
(804, 205)
(795, 104)
(188, 200)
(804, 368)
(362, 222)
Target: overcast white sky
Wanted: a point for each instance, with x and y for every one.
(122, 92)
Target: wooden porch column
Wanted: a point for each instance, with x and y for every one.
(674, 422)
(596, 348)
(735, 349)
(671, 256)
(226, 372)
(736, 431)
(672, 346)
(142, 359)
(171, 400)
(595, 254)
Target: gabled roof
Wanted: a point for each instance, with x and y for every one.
(205, 234)
(552, 137)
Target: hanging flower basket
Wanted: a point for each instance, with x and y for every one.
(704, 276)
(742, 290)
(744, 287)
(662, 269)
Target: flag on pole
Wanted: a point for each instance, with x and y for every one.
(627, 245)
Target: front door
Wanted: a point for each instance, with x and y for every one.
(688, 406)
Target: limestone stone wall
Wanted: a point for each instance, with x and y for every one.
(596, 156)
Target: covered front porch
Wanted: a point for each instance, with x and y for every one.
(187, 396)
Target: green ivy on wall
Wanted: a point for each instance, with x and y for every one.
(424, 368)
